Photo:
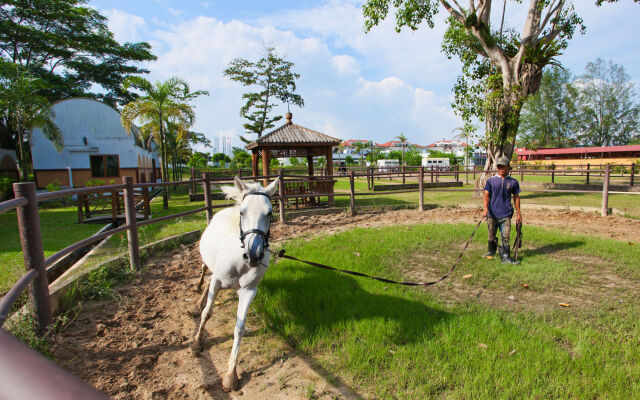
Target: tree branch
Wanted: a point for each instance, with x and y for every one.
(456, 14)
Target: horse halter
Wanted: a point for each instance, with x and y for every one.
(264, 235)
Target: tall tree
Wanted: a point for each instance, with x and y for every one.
(68, 44)
(608, 113)
(508, 65)
(548, 117)
(160, 103)
(22, 110)
(403, 141)
(272, 75)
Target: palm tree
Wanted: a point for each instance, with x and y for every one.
(160, 102)
(403, 139)
(465, 131)
(359, 148)
(24, 110)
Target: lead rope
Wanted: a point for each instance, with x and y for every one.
(281, 254)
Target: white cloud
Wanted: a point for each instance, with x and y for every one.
(126, 27)
(175, 12)
(345, 65)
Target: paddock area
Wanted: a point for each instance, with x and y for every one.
(321, 335)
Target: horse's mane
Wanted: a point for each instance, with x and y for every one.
(233, 193)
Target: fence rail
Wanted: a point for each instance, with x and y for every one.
(26, 205)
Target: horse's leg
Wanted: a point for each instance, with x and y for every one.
(200, 303)
(214, 288)
(245, 296)
(204, 269)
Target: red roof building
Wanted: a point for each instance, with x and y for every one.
(582, 155)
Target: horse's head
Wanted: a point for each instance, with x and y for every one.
(255, 216)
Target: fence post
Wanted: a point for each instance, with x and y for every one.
(373, 177)
(457, 173)
(79, 201)
(145, 203)
(352, 195)
(193, 184)
(432, 174)
(553, 173)
(474, 172)
(521, 173)
(114, 206)
(421, 188)
(130, 217)
(206, 186)
(281, 193)
(588, 168)
(633, 173)
(605, 191)
(33, 253)
(403, 178)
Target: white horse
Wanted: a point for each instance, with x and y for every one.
(234, 247)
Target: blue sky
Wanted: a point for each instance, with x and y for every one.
(355, 85)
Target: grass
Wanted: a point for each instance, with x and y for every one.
(397, 342)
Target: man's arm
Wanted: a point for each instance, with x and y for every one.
(516, 203)
(485, 204)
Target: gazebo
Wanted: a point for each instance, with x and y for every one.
(291, 140)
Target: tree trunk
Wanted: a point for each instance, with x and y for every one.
(502, 118)
(165, 192)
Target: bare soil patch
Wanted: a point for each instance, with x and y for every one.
(138, 347)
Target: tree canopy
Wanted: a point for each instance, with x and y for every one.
(67, 44)
(272, 75)
(500, 67)
(548, 117)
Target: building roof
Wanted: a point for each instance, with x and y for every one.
(396, 143)
(351, 142)
(445, 143)
(292, 134)
(578, 150)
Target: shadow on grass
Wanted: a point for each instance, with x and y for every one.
(321, 300)
(553, 248)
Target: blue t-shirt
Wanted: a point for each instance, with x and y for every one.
(500, 192)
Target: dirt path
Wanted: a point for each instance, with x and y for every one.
(138, 347)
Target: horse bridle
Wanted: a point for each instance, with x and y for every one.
(263, 234)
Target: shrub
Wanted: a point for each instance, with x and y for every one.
(6, 188)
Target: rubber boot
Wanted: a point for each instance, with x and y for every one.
(491, 252)
(505, 256)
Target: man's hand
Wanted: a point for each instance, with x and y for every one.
(485, 213)
(518, 218)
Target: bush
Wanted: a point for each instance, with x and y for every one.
(6, 188)
(53, 186)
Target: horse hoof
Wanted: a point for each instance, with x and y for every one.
(196, 347)
(230, 382)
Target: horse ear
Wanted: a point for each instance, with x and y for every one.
(271, 189)
(239, 184)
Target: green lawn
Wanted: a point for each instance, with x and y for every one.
(463, 338)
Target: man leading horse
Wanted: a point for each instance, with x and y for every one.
(498, 209)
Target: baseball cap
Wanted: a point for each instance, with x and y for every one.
(502, 161)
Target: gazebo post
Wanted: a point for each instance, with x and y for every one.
(265, 165)
(312, 200)
(254, 162)
(330, 173)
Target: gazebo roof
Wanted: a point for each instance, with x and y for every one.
(293, 135)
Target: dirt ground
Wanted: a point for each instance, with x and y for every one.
(137, 347)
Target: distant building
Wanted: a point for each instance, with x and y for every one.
(594, 156)
(388, 164)
(397, 145)
(456, 147)
(96, 147)
(434, 163)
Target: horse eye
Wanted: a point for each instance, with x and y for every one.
(270, 213)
